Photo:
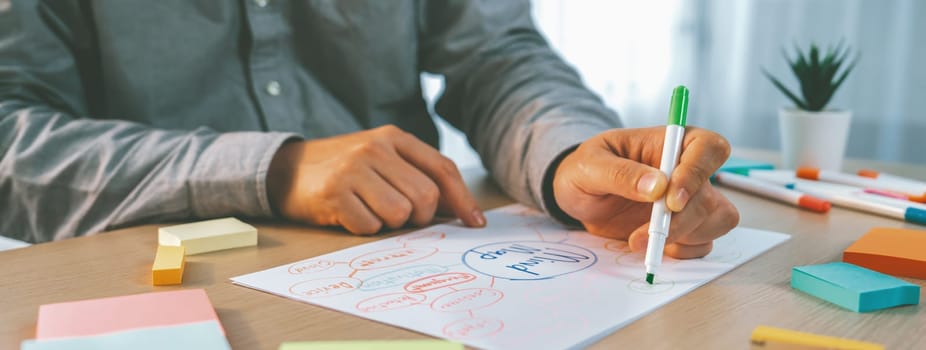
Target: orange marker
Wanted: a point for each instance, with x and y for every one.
(772, 191)
(913, 191)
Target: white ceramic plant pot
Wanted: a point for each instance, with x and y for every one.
(813, 139)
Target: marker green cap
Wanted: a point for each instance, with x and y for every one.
(678, 110)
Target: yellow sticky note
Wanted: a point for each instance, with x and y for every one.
(168, 266)
(423, 344)
(209, 236)
(768, 338)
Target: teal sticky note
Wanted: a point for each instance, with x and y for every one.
(743, 166)
(205, 335)
(423, 344)
(853, 287)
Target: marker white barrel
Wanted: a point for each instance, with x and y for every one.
(915, 193)
(773, 191)
(671, 150)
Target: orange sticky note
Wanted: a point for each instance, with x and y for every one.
(894, 251)
(168, 266)
(98, 316)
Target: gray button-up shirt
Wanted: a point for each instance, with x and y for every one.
(123, 112)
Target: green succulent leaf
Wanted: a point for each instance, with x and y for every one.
(818, 73)
(797, 101)
(835, 85)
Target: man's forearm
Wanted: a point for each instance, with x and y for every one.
(64, 177)
(518, 102)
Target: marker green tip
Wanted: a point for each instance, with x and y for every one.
(678, 110)
(649, 278)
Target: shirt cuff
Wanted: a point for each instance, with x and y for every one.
(549, 200)
(547, 153)
(230, 177)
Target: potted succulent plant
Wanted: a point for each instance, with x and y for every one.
(812, 135)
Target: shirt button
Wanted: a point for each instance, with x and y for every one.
(274, 88)
(261, 3)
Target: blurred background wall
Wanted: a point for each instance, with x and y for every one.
(633, 52)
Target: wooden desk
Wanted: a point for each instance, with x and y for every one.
(719, 315)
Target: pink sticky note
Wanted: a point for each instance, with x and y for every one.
(98, 316)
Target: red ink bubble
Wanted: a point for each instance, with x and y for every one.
(471, 328)
(438, 281)
(390, 257)
(325, 287)
(467, 299)
(310, 266)
(390, 302)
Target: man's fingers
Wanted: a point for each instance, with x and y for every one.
(444, 173)
(392, 208)
(707, 217)
(682, 251)
(638, 243)
(420, 190)
(703, 153)
(607, 174)
(356, 217)
(721, 217)
(639, 239)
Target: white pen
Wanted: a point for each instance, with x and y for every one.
(671, 148)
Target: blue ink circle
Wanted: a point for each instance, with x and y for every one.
(506, 260)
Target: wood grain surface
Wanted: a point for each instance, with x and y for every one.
(719, 315)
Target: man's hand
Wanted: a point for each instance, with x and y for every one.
(611, 180)
(366, 180)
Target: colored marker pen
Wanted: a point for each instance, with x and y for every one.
(868, 203)
(773, 191)
(914, 192)
(671, 148)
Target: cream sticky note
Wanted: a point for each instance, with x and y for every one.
(770, 338)
(97, 316)
(209, 236)
(894, 251)
(168, 266)
(206, 335)
(423, 344)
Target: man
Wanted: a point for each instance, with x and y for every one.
(124, 112)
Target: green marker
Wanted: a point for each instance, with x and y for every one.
(671, 148)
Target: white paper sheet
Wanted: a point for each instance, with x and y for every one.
(7, 243)
(522, 282)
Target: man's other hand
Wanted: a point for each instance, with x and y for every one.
(367, 180)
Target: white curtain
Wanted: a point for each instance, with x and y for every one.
(632, 53)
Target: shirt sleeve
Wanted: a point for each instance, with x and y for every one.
(65, 172)
(520, 105)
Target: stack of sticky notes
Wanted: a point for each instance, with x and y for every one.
(853, 287)
(168, 266)
(423, 344)
(175, 242)
(860, 283)
(181, 319)
(209, 236)
(894, 251)
(770, 338)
